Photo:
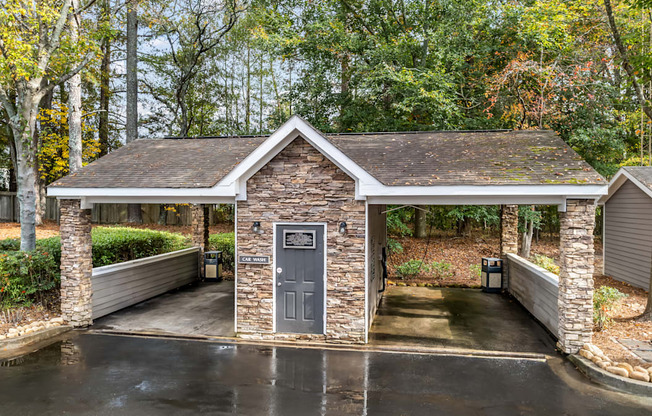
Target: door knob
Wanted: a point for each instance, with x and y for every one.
(278, 284)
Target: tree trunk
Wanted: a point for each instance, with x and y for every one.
(105, 77)
(624, 56)
(647, 315)
(526, 243)
(134, 212)
(132, 70)
(162, 214)
(248, 93)
(420, 222)
(74, 102)
(25, 173)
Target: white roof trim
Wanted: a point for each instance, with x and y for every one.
(275, 143)
(618, 180)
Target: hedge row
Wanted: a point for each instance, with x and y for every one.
(224, 242)
(28, 277)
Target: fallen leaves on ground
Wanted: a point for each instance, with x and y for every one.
(625, 321)
(464, 253)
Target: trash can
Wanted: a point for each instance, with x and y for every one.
(213, 266)
(492, 275)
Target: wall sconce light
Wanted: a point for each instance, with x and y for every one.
(256, 228)
(342, 228)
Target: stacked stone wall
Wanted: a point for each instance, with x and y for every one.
(508, 237)
(76, 263)
(576, 275)
(200, 231)
(302, 185)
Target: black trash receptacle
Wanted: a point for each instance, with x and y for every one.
(492, 275)
(213, 266)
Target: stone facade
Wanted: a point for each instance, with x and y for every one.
(200, 224)
(508, 237)
(200, 231)
(76, 263)
(302, 185)
(575, 301)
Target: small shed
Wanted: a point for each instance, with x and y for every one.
(627, 234)
(310, 214)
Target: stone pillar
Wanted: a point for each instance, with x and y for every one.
(508, 237)
(200, 231)
(76, 263)
(575, 302)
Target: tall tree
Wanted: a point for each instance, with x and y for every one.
(191, 31)
(134, 214)
(33, 49)
(105, 79)
(74, 99)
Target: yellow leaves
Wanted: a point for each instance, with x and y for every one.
(54, 152)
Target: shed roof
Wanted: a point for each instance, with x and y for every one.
(642, 173)
(640, 176)
(394, 159)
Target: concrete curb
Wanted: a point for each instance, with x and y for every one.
(605, 378)
(12, 344)
(329, 346)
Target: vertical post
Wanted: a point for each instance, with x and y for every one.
(76, 263)
(575, 302)
(508, 237)
(200, 230)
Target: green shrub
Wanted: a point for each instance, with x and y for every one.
(394, 247)
(397, 222)
(476, 270)
(26, 277)
(441, 269)
(411, 268)
(545, 262)
(224, 242)
(603, 300)
(119, 244)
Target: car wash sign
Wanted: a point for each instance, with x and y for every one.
(253, 259)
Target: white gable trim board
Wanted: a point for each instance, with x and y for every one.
(618, 180)
(233, 187)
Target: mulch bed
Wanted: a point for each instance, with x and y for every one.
(28, 314)
(626, 323)
(51, 229)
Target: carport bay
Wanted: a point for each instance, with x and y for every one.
(343, 183)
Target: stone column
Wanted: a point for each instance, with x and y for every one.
(508, 237)
(200, 231)
(76, 263)
(575, 302)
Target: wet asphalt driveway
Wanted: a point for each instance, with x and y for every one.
(113, 375)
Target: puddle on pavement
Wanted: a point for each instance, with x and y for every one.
(64, 352)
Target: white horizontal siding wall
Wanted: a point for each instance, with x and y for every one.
(628, 236)
(377, 227)
(536, 289)
(118, 286)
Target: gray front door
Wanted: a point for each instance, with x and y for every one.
(300, 278)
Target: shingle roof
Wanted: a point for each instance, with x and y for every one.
(468, 158)
(642, 173)
(164, 163)
(413, 158)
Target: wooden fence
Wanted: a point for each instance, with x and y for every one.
(536, 289)
(118, 286)
(179, 214)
